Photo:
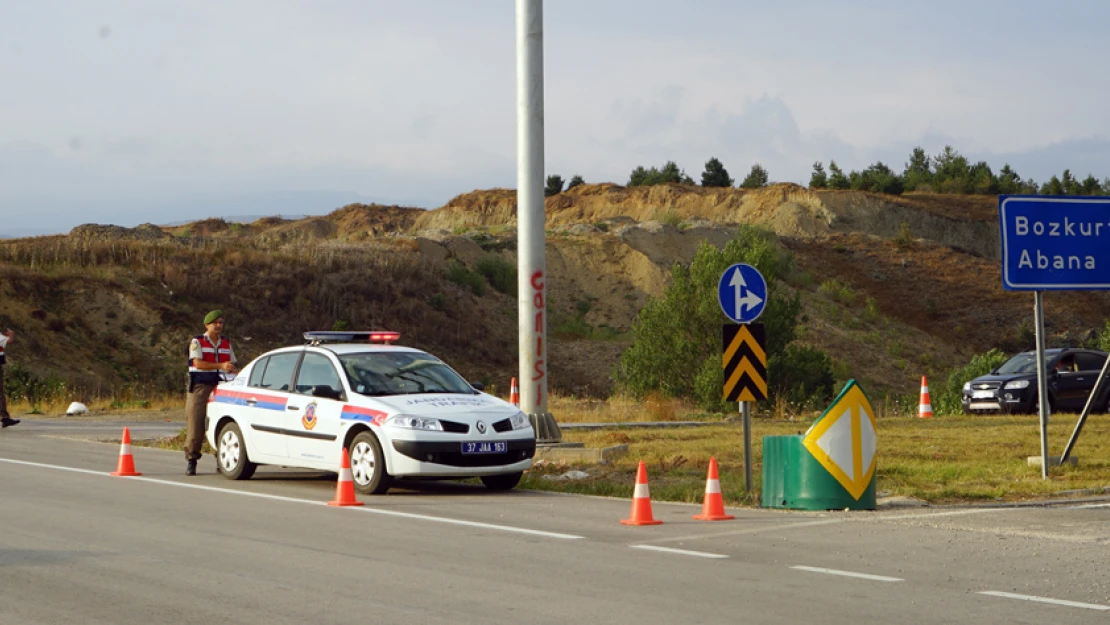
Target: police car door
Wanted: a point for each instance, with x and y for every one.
(312, 420)
(266, 397)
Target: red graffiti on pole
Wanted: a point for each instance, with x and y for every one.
(538, 304)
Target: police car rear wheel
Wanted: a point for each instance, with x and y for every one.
(368, 465)
(231, 454)
(505, 481)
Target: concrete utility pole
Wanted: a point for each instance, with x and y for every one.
(531, 261)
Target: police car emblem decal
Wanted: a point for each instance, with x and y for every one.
(308, 420)
(481, 427)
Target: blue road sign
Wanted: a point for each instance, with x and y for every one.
(1054, 243)
(742, 292)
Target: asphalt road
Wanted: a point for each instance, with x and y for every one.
(80, 546)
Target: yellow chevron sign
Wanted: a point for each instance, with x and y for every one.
(843, 440)
(744, 362)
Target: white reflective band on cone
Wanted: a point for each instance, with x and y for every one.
(125, 449)
(345, 475)
(641, 491)
(712, 487)
(928, 407)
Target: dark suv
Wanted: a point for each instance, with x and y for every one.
(1072, 374)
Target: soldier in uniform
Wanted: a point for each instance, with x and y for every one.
(5, 418)
(210, 358)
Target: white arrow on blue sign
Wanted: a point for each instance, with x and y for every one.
(742, 293)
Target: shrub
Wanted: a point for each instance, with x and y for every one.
(575, 181)
(676, 347)
(21, 384)
(460, 275)
(500, 273)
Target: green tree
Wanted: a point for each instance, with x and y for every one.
(715, 174)
(837, 179)
(877, 178)
(1009, 181)
(554, 185)
(952, 172)
(1070, 184)
(1091, 186)
(670, 173)
(575, 181)
(818, 179)
(676, 347)
(756, 178)
(982, 179)
(918, 175)
(1052, 187)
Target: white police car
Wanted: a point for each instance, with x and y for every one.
(399, 412)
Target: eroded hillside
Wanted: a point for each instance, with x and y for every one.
(894, 288)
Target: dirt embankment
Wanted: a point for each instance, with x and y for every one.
(961, 222)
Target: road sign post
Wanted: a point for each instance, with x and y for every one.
(742, 294)
(1053, 243)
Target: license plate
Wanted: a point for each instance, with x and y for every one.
(491, 447)
(982, 394)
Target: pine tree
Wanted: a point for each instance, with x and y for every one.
(837, 179)
(554, 185)
(757, 177)
(715, 174)
(818, 180)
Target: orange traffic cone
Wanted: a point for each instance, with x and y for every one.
(925, 410)
(514, 393)
(345, 488)
(126, 467)
(714, 507)
(641, 501)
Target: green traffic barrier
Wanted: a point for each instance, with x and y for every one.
(831, 466)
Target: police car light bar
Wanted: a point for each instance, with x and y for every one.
(351, 336)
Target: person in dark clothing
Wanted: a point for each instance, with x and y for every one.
(5, 418)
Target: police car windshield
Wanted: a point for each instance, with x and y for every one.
(401, 373)
(1022, 363)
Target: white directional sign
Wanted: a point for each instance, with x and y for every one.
(843, 440)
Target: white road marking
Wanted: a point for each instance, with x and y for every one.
(684, 552)
(748, 530)
(1088, 507)
(1070, 604)
(393, 513)
(876, 578)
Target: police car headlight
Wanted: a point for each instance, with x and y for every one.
(414, 423)
(1018, 384)
(520, 421)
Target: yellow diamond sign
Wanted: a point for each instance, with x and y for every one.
(843, 440)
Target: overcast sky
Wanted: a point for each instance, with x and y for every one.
(133, 111)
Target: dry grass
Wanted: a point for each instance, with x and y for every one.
(939, 460)
(120, 405)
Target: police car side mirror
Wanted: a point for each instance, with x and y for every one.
(327, 392)
(478, 386)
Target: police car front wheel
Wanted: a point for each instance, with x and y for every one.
(368, 465)
(231, 454)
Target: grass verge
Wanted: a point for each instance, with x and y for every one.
(940, 460)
